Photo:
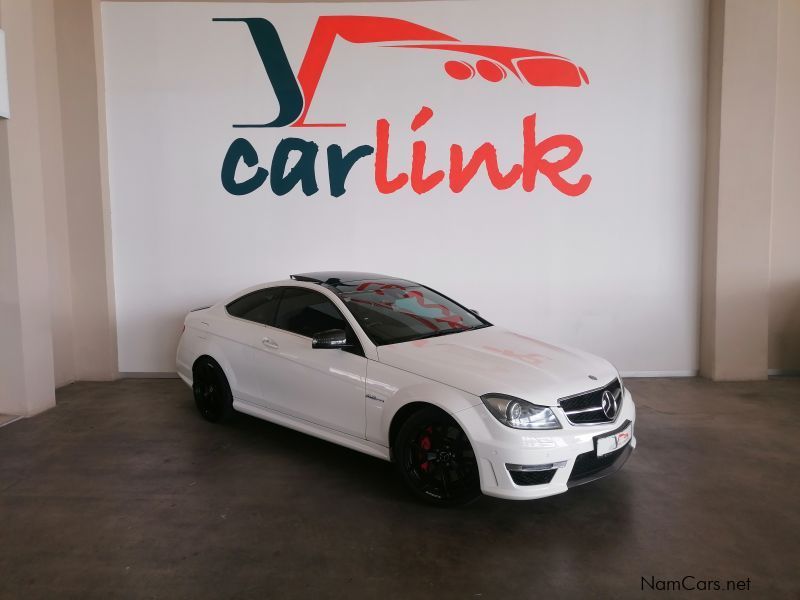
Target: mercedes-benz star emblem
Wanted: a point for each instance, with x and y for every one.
(609, 404)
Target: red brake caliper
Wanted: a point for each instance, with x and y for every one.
(425, 444)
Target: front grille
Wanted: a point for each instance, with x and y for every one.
(532, 477)
(588, 463)
(587, 408)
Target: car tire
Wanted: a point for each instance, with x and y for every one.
(212, 394)
(436, 460)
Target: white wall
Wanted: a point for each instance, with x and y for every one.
(614, 270)
(784, 309)
(26, 350)
(55, 197)
(4, 112)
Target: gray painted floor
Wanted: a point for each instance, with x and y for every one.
(122, 491)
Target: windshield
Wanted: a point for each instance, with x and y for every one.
(397, 311)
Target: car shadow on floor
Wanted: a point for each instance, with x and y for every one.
(365, 477)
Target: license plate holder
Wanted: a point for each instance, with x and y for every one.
(609, 442)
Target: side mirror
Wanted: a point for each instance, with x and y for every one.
(474, 312)
(331, 339)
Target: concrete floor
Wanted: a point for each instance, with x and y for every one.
(122, 491)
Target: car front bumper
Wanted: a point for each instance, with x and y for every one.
(567, 456)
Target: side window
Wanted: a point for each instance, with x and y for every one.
(307, 312)
(259, 306)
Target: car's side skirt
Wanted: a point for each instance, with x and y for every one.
(329, 435)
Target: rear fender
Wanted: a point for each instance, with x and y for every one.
(198, 340)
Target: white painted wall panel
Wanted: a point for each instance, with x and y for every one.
(4, 107)
(614, 270)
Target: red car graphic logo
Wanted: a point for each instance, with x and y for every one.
(492, 63)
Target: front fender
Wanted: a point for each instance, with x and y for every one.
(389, 390)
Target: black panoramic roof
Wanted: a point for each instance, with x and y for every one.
(341, 277)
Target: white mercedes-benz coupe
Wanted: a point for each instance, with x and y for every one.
(399, 371)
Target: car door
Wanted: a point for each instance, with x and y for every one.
(241, 333)
(325, 387)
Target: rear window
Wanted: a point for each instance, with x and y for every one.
(259, 306)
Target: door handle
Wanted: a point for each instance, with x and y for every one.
(269, 343)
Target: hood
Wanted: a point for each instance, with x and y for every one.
(501, 361)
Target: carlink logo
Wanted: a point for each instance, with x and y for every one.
(461, 61)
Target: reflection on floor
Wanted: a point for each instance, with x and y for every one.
(123, 491)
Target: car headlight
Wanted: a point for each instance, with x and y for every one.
(520, 414)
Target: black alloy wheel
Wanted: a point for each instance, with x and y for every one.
(436, 460)
(212, 394)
